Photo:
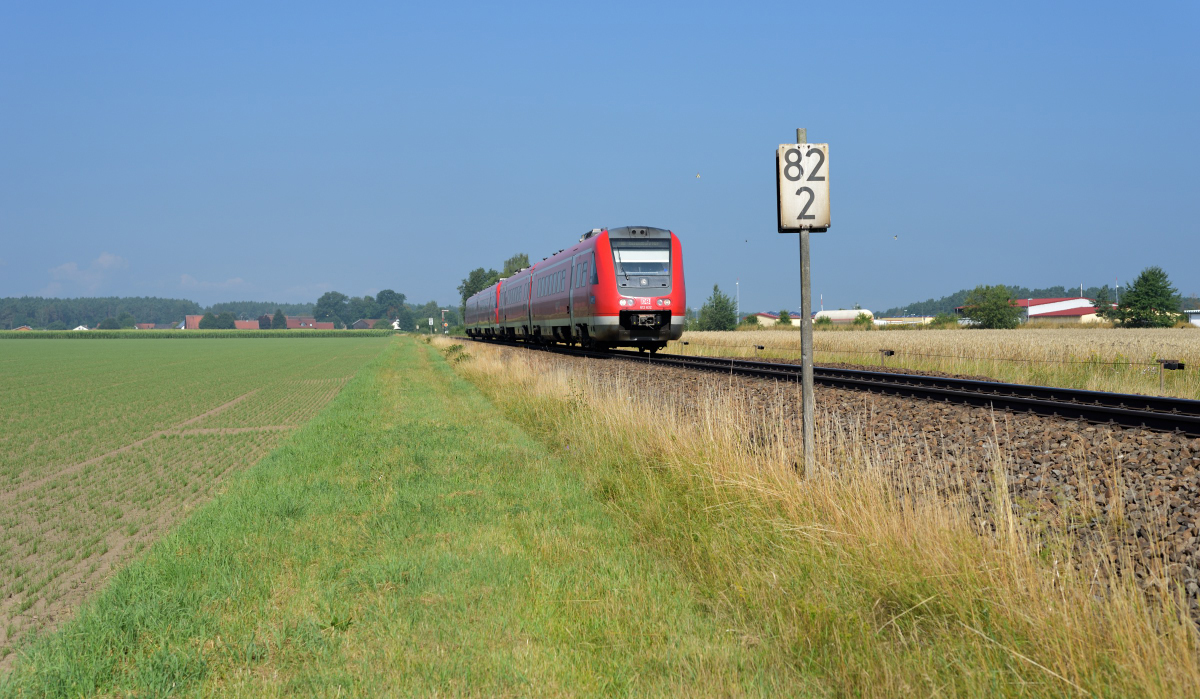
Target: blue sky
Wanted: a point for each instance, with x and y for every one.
(274, 151)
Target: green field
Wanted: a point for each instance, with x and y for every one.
(105, 445)
(410, 539)
(473, 521)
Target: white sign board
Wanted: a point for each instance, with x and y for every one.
(802, 175)
(431, 322)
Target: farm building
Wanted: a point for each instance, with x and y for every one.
(842, 317)
(364, 323)
(307, 322)
(22, 328)
(1057, 310)
(1193, 316)
(144, 326)
(905, 320)
(81, 327)
(766, 318)
(192, 322)
(246, 324)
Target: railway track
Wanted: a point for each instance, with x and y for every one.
(1128, 410)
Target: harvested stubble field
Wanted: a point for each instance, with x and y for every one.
(104, 445)
(1100, 359)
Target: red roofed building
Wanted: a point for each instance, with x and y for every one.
(307, 323)
(192, 322)
(246, 324)
(1074, 309)
(144, 326)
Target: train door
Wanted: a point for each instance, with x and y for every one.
(575, 265)
(581, 306)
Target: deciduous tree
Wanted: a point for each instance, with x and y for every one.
(719, 312)
(785, 318)
(1150, 302)
(992, 307)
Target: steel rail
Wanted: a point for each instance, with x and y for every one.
(1125, 409)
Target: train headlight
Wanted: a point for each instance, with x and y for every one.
(666, 302)
(622, 302)
(660, 302)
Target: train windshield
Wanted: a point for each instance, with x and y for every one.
(642, 257)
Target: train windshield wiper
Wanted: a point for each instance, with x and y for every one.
(618, 251)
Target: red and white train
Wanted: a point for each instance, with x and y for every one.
(619, 287)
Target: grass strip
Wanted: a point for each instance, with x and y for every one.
(183, 334)
(409, 540)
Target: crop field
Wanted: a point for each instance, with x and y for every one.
(105, 445)
(1101, 359)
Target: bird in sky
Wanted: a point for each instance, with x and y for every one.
(697, 175)
(895, 237)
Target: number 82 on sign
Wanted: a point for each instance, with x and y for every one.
(802, 179)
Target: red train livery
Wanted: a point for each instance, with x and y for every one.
(620, 287)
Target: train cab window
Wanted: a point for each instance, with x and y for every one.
(642, 257)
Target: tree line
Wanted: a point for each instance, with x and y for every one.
(1149, 302)
(123, 312)
(948, 304)
(387, 305)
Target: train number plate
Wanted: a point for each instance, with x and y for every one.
(802, 175)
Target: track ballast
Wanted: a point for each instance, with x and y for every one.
(1125, 409)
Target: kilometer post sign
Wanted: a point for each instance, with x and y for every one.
(802, 179)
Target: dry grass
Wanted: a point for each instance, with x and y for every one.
(1101, 359)
(863, 575)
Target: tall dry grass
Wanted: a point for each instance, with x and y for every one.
(1103, 359)
(864, 574)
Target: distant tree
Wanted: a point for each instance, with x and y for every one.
(823, 321)
(864, 320)
(992, 307)
(514, 264)
(125, 320)
(785, 318)
(332, 306)
(387, 303)
(943, 319)
(357, 308)
(382, 324)
(57, 325)
(109, 324)
(478, 280)
(226, 321)
(1149, 302)
(279, 321)
(208, 322)
(719, 312)
(264, 321)
(1103, 304)
(751, 319)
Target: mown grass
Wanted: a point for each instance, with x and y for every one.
(858, 588)
(184, 334)
(409, 540)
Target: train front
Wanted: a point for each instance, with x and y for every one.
(641, 300)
